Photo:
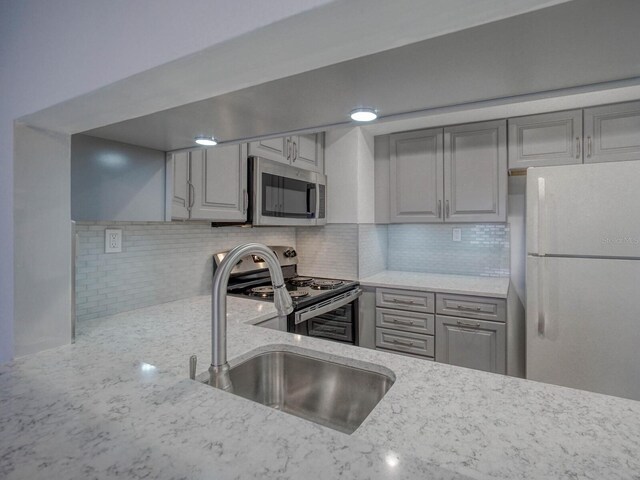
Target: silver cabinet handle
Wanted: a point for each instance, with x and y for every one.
(193, 360)
(578, 147)
(245, 200)
(589, 146)
(469, 309)
(467, 324)
(400, 322)
(404, 302)
(192, 195)
(288, 149)
(404, 344)
(439, 208)
(295, 151)
(446, 208)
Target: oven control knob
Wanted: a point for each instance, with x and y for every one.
(290, 253)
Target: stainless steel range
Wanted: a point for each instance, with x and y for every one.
(323, 307)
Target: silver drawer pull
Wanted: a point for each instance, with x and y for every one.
(405, 344)
(400, 322)
(470, 325)
(406, 302)
(472, 309)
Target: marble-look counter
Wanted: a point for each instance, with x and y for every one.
(118, 404)
(497, 287)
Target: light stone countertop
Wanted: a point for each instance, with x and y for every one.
(118, 404)
(497, 287)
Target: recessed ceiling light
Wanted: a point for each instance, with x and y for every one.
(208, 141)
(363, 114)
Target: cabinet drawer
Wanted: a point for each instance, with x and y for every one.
(484, 308)
(405, 321)
(405, 342)
(405, 300)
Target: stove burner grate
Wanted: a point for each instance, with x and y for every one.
(326, 284)
(301, 281)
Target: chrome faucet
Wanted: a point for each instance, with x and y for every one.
(219, 369)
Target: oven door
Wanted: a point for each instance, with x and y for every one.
(283, 195)
(334, 319)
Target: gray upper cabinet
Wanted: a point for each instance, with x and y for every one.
(178, 165)
(303, 151)
(471, 343)
(545, 140)
(219, 179)
(307, 152)
(612, 133)
(416, 188)
(276, 149)
(209, 184)
(475, 172)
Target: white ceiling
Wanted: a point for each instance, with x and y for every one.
(577, 43)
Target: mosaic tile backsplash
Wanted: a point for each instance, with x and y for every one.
(160, 262)
(483, 249)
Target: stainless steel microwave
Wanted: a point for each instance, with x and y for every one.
(284, 195)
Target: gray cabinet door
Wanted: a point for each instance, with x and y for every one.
(219, 179)
(545, 140)
(307, 152)
(475, 172)
(612, 133)
(179, 165)
(471, 343)
(276, 149)
(416, 188)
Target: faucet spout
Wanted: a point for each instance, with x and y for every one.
(219, 369)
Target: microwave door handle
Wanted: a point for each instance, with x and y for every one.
(311, 312)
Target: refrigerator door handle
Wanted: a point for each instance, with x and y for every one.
(541, 313)
(541, 216)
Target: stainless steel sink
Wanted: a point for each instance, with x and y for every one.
(328, 393)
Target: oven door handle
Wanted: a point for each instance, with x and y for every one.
(327, 306)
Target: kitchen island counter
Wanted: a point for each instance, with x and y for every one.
(118, 404)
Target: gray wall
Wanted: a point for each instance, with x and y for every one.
(116, 182)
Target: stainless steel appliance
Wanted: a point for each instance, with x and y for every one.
(323, 307)
(280, 194)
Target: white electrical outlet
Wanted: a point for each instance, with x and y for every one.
(112, 240)
(457, 234)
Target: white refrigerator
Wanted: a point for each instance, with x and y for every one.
(583, 277)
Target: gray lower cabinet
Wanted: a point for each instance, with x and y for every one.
(545, 140)
(475, 172)
(405, 321)
(612, 133)
(209, 184)
(471, 343)
(422, 345)
(303, 151)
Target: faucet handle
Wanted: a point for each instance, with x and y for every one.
(193, 360)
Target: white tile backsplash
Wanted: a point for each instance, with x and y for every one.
(329, 251)
(160, 262)
(372, 249)
(483, 249)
